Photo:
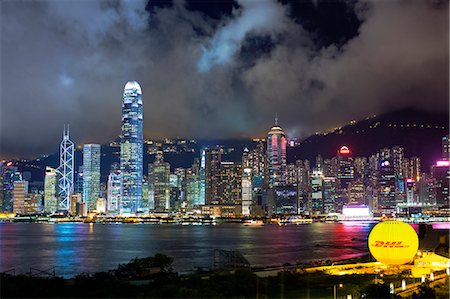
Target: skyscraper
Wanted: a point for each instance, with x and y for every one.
(159, 180)
(213, 158)
(202, 178)
(229, 184)
(20, 193)
(113, 191)
(317, 192)
(445, 147)
(91, 175)
(345, 174)
(9, 176)
(276, 156)
(387, 198)
(131, 149)
(246, 191)
(66, 171)
(329, 194)
(51, 181)
(441, 174)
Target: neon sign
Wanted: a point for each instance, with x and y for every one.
(344, 150)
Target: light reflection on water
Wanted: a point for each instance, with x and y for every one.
(77, 247)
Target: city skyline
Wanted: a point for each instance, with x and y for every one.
(234, 93)
(261, 183)
(224, 148)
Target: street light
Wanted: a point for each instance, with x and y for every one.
(335, 289)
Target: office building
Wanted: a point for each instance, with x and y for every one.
(91, 175)
(246, 191)
(387, 196)
(317, 193)
(229, 184)
(329, 195)
(258, 163)
(131, 150)
(10, 175)
(356, 192)
(113, 191)
(445, 148)
(276, 156)
(213, 159)
(159, 180)
(345, 174)
(411, 191)
(441, 174)
(65, 171)
(50, 190)
(20, 192)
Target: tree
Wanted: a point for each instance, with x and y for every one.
(377, 291)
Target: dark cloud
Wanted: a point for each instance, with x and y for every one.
(67, 62)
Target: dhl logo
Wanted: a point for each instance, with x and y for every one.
(387, 244)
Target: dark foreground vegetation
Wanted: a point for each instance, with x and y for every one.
(153, 277)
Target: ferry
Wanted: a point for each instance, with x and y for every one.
(132, 220)
(301, 221)
(253, 222)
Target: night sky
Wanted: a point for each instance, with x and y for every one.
(214, 69)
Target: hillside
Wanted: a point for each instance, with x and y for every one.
(420, 133)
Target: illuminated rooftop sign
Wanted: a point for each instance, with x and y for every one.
(344, 150)
(442, 163)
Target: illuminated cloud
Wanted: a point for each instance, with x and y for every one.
(66, 80)
(198, 74)
(258, 17)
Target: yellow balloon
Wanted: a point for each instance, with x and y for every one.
(393, 242)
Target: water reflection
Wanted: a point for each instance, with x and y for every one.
(79, 247)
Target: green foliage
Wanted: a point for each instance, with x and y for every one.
(166, 284)
(377, 291)
(425, 292)
(145, 267)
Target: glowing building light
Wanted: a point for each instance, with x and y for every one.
(443, 163)
(344, 150)
(385, 163)
(356, 211)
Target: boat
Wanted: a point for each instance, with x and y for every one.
(132, 220)
(253, 223)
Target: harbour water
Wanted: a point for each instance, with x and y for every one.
(73, 248)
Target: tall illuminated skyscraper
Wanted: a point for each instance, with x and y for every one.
(66, 171)
(276, 156)
(202, 178)
(91, 175)
(50, 200)
(246, 191)
(20, 193)
(131, 149)
(213, 158)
